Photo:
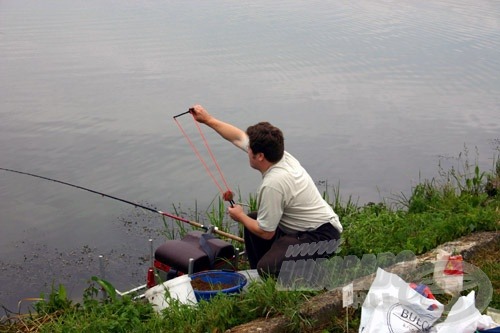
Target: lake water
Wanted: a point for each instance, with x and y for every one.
(371, 95)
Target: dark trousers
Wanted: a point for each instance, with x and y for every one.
(267, 255)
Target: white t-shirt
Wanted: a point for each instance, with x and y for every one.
(288, 198)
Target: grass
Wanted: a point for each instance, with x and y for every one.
(463, 200)
(487, 260)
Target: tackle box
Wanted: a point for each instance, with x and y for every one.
(206, 251)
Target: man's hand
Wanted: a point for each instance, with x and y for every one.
(200, 114)
(236, 212)
(229, 132)
(252, 225)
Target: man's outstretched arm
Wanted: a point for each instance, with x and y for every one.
(229, 132)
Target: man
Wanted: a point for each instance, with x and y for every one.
(291, 209)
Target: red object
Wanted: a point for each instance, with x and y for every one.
(424, 290)
(228, 196)
(150, 281)
(454, 266)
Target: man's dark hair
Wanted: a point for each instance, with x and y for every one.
(267, 139)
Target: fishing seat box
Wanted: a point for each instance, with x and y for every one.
(172, 257)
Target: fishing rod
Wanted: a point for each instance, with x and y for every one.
(175, 217)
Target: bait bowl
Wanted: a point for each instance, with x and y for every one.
(207, 284)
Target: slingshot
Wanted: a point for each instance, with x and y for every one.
(227, 194)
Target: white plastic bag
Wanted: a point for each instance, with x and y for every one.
(391, 305)
(465, 318)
